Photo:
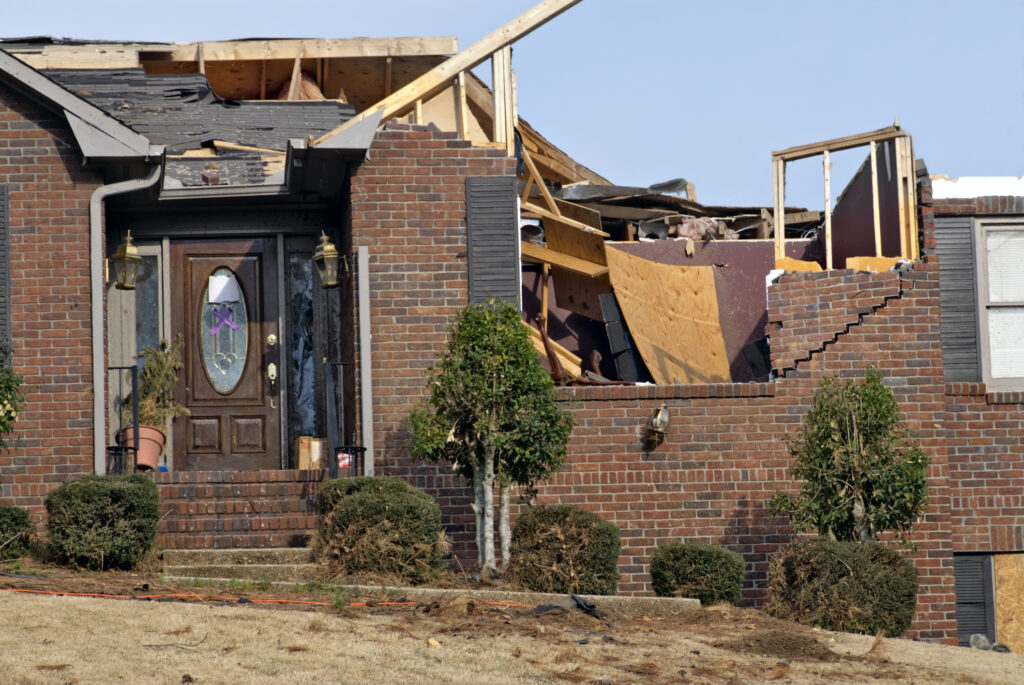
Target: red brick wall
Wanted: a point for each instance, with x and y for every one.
(724, 456)
(49, 206)
(408, 205)
(808, 311)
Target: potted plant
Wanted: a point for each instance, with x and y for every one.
(157, 380)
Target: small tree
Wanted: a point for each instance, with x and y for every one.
(861, 473)
(492, 413)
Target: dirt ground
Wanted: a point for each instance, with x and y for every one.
(146, 631)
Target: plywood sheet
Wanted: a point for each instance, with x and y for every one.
(1009, 570)
(672, 313)
(580, 293)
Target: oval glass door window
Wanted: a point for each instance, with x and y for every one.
(224, 330)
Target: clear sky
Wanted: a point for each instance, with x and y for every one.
(643, 91)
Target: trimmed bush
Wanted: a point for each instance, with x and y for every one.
(848, 586)
(380, 526)
(705, 572)
(16, 529)
(565, 549)
(103, 522)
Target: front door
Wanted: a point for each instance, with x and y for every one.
(224, 301)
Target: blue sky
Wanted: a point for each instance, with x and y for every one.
(647, 90)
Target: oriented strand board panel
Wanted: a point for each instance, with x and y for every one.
(1009, 570)
(672, 314)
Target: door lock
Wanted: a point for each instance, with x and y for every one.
(272, 377)
(271, 340)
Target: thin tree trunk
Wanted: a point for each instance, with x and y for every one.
(489, 567)
(504, 527)
(478, 511)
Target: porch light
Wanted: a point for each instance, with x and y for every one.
(126, 262)
(325, 256)
(656, 428)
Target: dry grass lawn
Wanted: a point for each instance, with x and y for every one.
(62, 639)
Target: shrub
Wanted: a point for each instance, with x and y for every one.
(103, 522)
(16, 529)
(381, 526)
(565, 549)
(705, 572)
(849, 586)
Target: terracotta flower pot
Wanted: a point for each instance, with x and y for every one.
(151, 445)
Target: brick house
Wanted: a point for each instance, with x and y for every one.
(396, 199)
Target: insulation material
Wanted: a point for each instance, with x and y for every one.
(1009, 572)
(672, 313)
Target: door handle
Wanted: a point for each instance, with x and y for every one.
(272, 377)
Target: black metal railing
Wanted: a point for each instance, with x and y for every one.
(121, 457)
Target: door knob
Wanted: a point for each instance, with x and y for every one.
(271, 340)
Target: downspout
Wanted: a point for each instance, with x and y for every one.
(97, 282)
(365, 361)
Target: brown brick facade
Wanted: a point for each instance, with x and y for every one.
(49, 207)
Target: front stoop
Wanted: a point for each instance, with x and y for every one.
(285, 565)
(237, 509)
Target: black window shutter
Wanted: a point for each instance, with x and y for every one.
(954, 239)
(975, 601)
(493, 239)
(5, 270)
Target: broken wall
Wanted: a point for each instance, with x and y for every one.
(853, 217)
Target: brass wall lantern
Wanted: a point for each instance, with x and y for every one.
(656, 428)
(325, 256)
(126, 261)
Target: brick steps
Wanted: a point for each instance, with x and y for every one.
(236, 509)
(294, 565)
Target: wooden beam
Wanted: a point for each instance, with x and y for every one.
(875, 212)
(417, 112)
(439, 77)
(498, 75)
(543, 255)
(200, 58)
(531, 169)
(513, 95)
(544, 306)
(461, 107)
(836, 144)
(296, 84)
(780, 203)
(387, 77)
(561, 350)
(263, 79)
(827, 169)
(545, 214)
(242, 50)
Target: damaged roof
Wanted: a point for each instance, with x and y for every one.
(181, 112)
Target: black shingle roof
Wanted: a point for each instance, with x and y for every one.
(180, 111)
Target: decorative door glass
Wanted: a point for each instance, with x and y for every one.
(224, 330)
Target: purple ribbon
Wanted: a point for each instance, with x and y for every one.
(223, 316)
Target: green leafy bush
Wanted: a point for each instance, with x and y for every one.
(380, 526)
(562, 548)
(103, 522)
(705, 572)
(848, 586)
(16, 529)
(861, 473)
(10, 395)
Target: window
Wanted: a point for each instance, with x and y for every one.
(999, 248)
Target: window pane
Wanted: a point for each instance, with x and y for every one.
(1006, 341)
(224, 330)
(300, 292)
(147, 305)
(1005, 253)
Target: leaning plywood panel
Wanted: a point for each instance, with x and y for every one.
(1009, 572)
(672, 312)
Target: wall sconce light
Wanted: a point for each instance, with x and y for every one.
(126, 262)
(656, 428)
(325, 256)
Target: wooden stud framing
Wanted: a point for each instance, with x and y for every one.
(875, 211)
(837, 144)
(545, 275)
(417, 112)
(295, 87)
(200, 58)
(439, 78)
(461, 107)
(387, 77)
(827, 169)
(531, 169)
(544, 255)
(780, 204)
(263, 79)
(513, 110)
(901, 199)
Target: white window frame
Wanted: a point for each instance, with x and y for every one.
(982, 228)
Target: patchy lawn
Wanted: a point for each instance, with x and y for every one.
(207, 636)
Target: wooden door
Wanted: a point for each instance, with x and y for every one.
(224, 297)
